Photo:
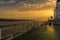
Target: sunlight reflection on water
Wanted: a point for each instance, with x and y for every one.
(47, 33)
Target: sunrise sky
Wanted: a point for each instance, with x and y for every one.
(27, 9)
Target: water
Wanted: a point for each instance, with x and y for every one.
(45, 32)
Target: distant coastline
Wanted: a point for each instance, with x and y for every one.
(5, 19)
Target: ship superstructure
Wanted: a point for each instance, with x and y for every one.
(57, 12)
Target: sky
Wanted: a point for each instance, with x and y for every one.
(27, 9)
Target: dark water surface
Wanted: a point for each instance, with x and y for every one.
(46, 32)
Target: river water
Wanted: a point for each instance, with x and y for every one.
(45, 32)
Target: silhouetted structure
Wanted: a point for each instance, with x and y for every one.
(57, 13)
(58, 0)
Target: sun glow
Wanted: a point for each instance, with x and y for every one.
(50, 31)
(39, 11)
(35, 15)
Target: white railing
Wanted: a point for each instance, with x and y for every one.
(12, 31)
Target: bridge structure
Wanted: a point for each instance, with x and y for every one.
(57, 12)
(15, 29)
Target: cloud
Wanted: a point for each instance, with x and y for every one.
(31, 5)
(20, 8)
(11, 1)
(2, 2)
(7, 1)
